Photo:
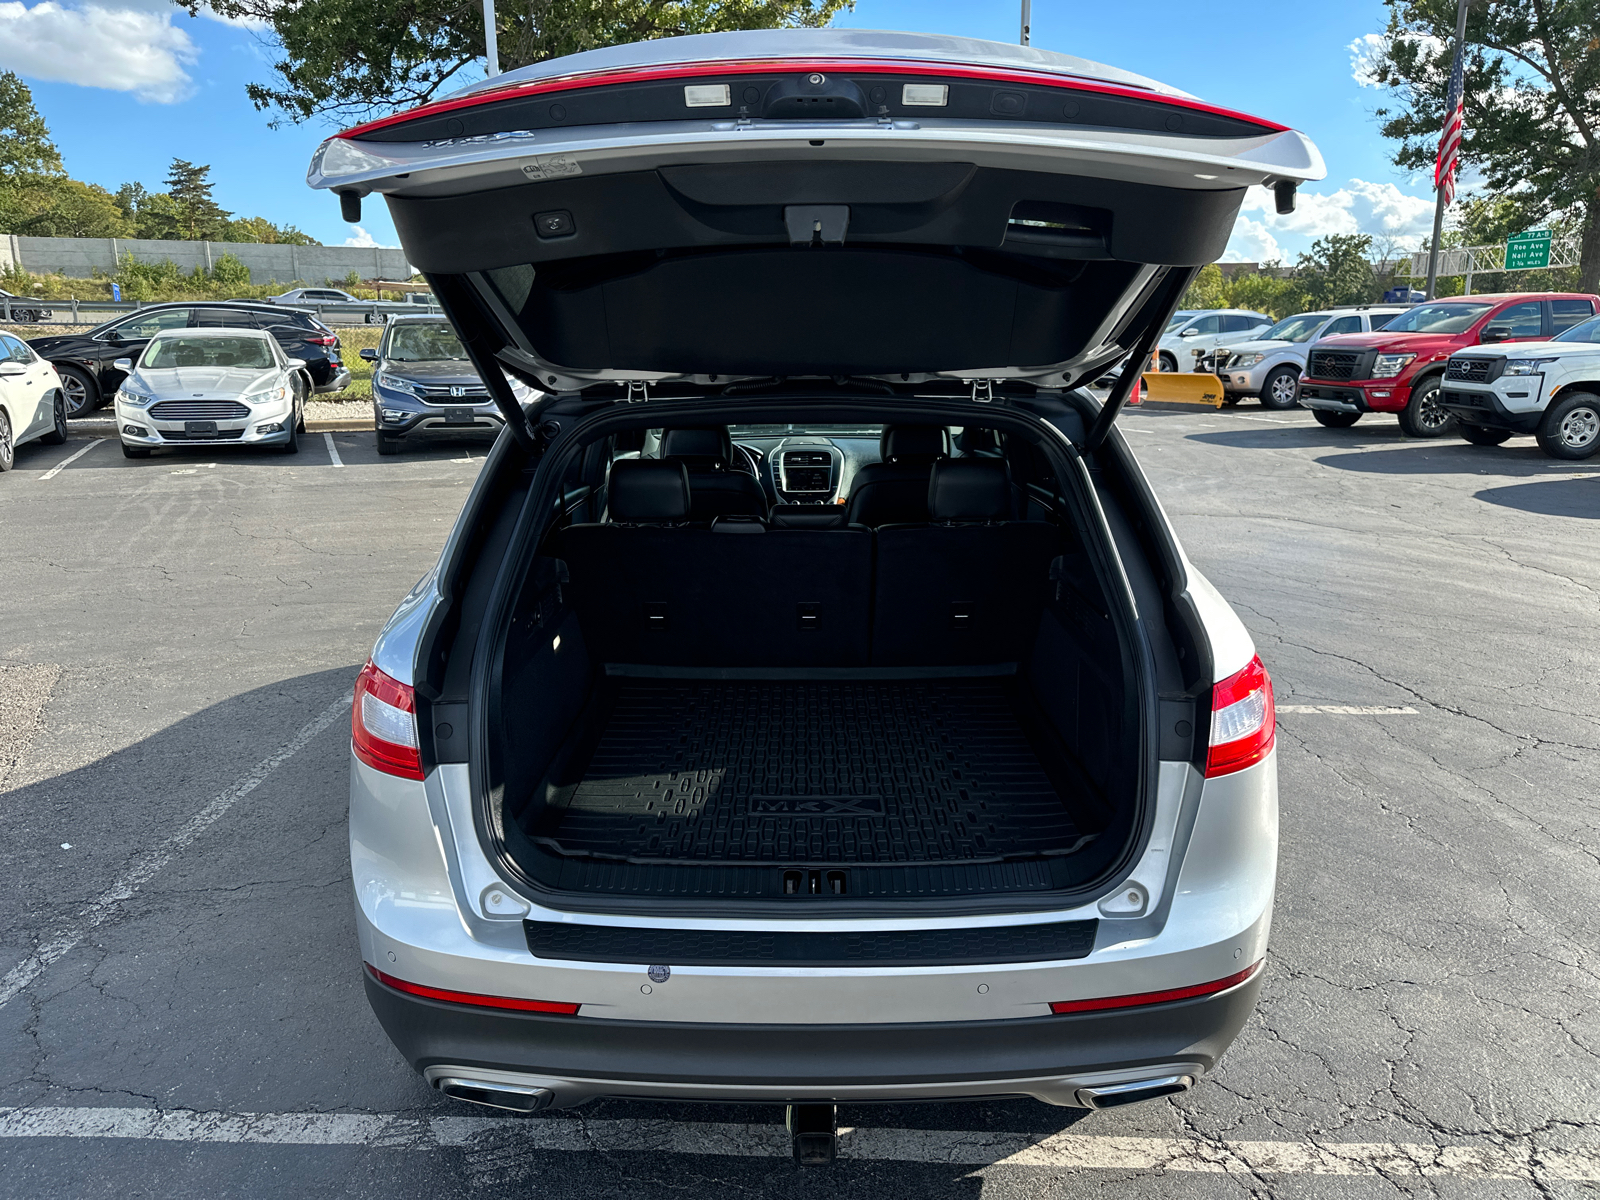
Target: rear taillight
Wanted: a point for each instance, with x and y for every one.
(383, 724)
(323, 341)
(1139, 999)
(514, 1003)
(1242, 720)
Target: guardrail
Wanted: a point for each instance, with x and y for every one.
(70, 312)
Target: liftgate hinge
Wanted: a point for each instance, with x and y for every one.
(983, 390)
(638, 391)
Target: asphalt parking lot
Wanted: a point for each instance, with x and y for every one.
(181, 1011)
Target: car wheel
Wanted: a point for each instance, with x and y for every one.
(1423, 416)
(1479, 436)
(387, 445)
(135, 451)
(8, 449)
(1166, 361)
(292, 446)
(303, 387)
(1329, 419)
(1281, 389)
(82, 393)
(1571, 426)
(58, 430)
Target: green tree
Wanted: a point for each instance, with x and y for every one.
(353, 58)
(199, 216)
(1336, 271)
(1268, 292)
(25, 145)
(1209, 289)
(259, 229)
(56, 206)
(1532, 103)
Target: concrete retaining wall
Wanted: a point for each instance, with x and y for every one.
(82, 257)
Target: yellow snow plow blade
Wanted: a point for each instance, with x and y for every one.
(1182, 387)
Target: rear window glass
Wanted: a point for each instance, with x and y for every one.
(250, 353)
(1589, 331)
(1300, 328)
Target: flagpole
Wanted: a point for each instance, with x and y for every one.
(1438, 204)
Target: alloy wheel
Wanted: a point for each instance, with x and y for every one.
(1580, 428)
(1432, 415)
(7, 449)
(1284, 389)
(72, 386)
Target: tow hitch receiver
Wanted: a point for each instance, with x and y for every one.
(814, 1131)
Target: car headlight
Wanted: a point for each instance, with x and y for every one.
(275, 395)
(395, 383)
(133, 399)
(1241, 361)
(1388, 366)
(1526, 366)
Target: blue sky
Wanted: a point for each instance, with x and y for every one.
(127, 85)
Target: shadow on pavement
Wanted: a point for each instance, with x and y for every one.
(1446, 457)
(1578, 496)
(1298, 437)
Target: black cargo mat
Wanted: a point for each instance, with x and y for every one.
(809, 773)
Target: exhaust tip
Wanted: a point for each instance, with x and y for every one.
(496, 1095)
(1114, 1095)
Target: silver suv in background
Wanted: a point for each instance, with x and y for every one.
(679, 778)
(1270, 366)
(1203, 332)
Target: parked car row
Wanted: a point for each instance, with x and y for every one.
(87, 362)
(1271, 365)
(1403, 368)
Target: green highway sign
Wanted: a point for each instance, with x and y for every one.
(1528, 251)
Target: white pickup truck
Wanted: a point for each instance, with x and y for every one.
(1549, 389)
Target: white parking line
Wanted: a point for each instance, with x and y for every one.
(494, 1140)
(145, 868)
(69, 460)
(1349, 710)
(333, 451)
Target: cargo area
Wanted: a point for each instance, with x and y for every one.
(754, 709)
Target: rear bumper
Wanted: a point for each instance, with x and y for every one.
(335, 381)
(580, 1058)
(1381, 396)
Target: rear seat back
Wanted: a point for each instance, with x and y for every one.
(650, 590)
(968, 587)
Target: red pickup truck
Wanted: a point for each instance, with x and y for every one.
(1398, 369)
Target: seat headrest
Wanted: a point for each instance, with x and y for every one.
(902, 443)
(808, 516)
(648, 491)
(969, 489)
(975, 442)
(711, 442)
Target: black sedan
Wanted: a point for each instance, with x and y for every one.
(423, 385)
(22, 310)
(85, 360)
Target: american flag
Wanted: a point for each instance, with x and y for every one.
(1444, 168)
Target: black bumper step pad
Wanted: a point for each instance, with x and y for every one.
(1048, 942)
(809, 773)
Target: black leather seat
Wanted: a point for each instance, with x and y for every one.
(896, 490)
(716, 487)
(647, 491)
(970, 585)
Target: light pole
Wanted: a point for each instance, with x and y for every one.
(491, 40)
(1027, 19)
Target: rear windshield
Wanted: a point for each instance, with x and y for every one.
(208, 352)
(424, 343)
(1301, 328)
(1589, 331)
(1437, 318)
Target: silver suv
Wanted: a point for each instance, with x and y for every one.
(812, 703)
(1271, 365)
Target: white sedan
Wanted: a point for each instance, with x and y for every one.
(232, 387)
(31, 404)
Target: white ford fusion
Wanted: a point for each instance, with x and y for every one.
(231, 387)
(812, 702)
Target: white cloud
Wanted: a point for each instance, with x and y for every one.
(122, 49)
(1363, 53)
(364, 240)
(1379, 209)
(1252, 241)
